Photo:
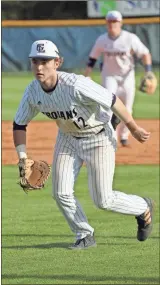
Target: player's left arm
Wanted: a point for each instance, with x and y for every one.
(89, 92)
(148, 83)
(122, 113)
(142, 52)
(147, 61)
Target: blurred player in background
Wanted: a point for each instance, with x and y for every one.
(117, 70)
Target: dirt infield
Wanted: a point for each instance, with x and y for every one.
(41, 140)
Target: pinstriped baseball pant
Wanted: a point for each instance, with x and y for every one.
(98, 153)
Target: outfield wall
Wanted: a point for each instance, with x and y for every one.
(74, 42)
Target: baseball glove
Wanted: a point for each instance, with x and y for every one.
(33, 174)
(148, 83)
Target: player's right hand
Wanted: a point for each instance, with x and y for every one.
(141, 135)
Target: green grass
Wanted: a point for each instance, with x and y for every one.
(13, 86)
(35, 235)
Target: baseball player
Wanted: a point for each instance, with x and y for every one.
(85, 135)
(117, 71)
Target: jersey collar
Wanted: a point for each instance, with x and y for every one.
(113, 39)
(52, 89)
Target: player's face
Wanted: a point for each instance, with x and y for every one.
(114, 27)
(44, 69)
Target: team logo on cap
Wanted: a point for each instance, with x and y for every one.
(40, 48)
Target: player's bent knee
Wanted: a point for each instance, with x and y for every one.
(56, 193)
(61, 198)
(104, 205)
(56, 196)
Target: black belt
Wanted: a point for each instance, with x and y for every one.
(87, 137)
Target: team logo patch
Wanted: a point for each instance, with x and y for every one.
(40, 48)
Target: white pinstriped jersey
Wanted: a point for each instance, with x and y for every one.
(75, 104)
(118, 53)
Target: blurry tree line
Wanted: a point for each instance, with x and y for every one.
(36, 10)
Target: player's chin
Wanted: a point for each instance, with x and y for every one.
(40, 77)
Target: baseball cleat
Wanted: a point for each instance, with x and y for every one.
(84, 243)
(145, 221)
(124, 143)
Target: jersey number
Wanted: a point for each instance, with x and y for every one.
(81, 124)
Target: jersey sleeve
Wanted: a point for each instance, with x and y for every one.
(89, 92)
(96, 49)
(26, 111)
(138, 47)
